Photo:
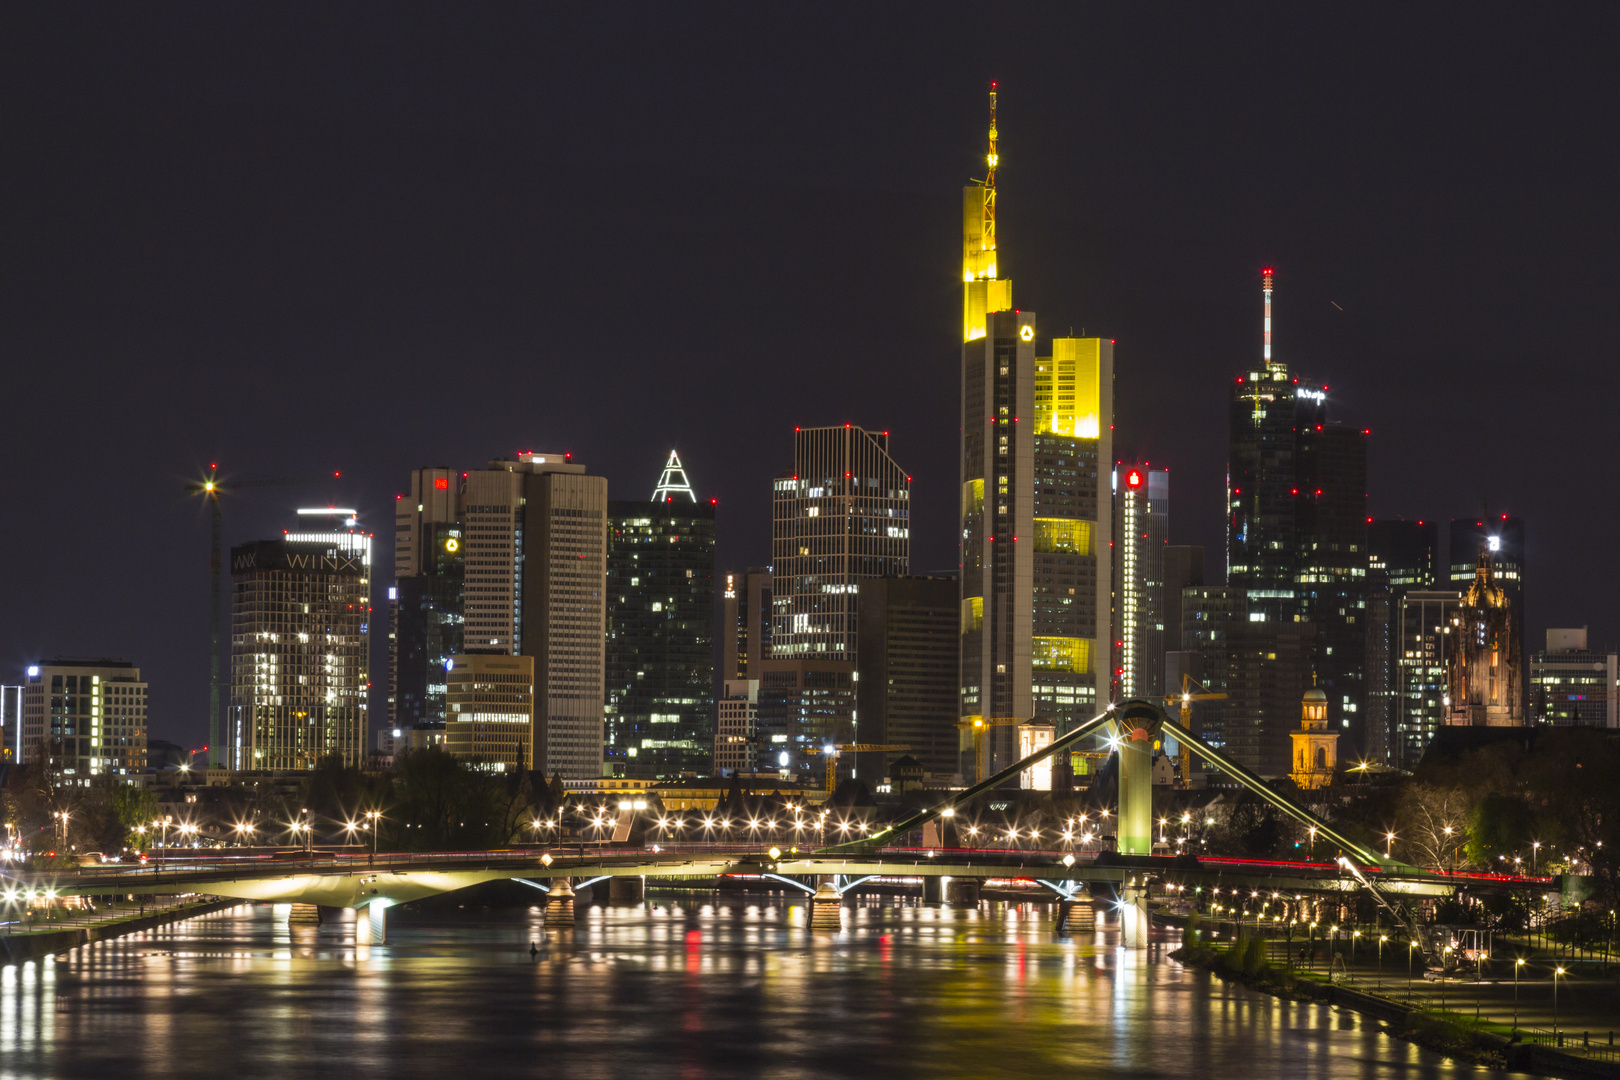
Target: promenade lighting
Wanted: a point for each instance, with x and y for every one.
(1535, 849)
(1411, 946)
(1517, 964)
(1068, 860)
(1381, 939)
(545, 860)
(1389, 844)
(1557, 971)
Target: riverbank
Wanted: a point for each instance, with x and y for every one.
(1446, 1033)
(33, 944)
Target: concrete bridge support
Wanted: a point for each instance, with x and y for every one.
(934, 889)
(628, 890)
(827, 908)
(1076, 917)
(963, 891)
(1133, 917)
(304, 914)
(1136, 785)
(560, 903)
(371, 924)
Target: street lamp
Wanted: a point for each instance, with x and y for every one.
(1381, 939)
(1517, 964)
(1389, 844)
(1556, 972)
(1535, 850)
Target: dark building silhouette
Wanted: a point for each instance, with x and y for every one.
(907, 691)
(427, 611)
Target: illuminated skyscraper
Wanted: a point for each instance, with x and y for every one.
(1572, 685)
(1141, 527)
(489, 710)
(1036, 514)
(746, 624)
(1401, 558)
(300, 653)
(1296, 529)
(842, 514)
(1425, 638)
(535, 547)
(842, 517)
(425, 603)
(660, 711)
(87, 716)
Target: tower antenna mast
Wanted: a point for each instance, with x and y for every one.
(991, 161)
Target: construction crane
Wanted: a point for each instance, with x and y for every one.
(979, 725)
(211, 488)
(832, 753)
(1185, 700)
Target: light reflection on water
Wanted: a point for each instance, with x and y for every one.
(690, 987)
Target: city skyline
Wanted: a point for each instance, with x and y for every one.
(1176, 294)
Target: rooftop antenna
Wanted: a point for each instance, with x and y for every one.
(991, 161)
(1265, 285)
(673, 482)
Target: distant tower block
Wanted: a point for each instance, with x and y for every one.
(1316, 749)
(673, 482)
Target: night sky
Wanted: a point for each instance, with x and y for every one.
(302, 238)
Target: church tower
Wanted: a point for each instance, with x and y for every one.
(1316, 748)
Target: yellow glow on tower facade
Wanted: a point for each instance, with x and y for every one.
(1068, 391)
(982, 291)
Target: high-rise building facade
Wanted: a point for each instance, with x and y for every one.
(425, 602)
(300, 647)
(535, 565)
(1268, 408)
(841, 515)
(736, 732)
(660, 707)
(489, 710)
(1572, 685)
(746, 623)
(1141, 532)
(805, 705)
(1332, 578)
(906, 692)
(1036, 520)
(11, 699)
(745, 645)
(86, 717)
(1425, 637)
(1296, 529)
(1401, 556)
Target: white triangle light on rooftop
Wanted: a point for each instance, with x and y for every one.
(673, 482)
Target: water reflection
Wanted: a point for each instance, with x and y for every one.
(699, 986)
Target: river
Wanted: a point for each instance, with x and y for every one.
(687, 986)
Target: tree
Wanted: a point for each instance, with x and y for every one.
(1434, 825)
(1500, 826)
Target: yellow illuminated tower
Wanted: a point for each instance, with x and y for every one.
(1037, 443)
(982, 291)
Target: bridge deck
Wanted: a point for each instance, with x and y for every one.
(356, 880)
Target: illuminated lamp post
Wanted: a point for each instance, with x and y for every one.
(1557, 971)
